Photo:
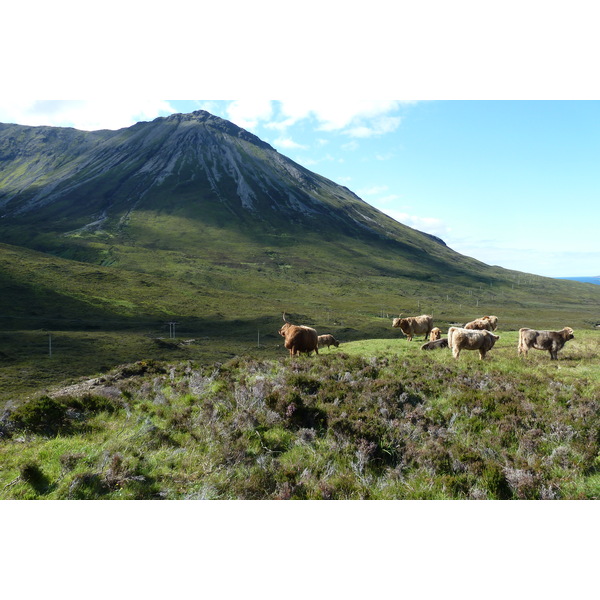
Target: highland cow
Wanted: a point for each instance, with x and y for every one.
(411, 326)
(435, 344)
(471, 339)
(553, 341)
(327, 340)
(299, 338)
(480, 324)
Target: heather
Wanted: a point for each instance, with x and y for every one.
(377, 419)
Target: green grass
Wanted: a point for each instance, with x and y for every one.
(372, 419)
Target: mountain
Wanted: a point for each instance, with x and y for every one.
(196, 169)
(222, 227)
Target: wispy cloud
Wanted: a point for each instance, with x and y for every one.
(374, 127)
(88, 115)
(351, 146)
(354, 118)
(249, 113)
(288, 143)
(528, 260)
(431, 225)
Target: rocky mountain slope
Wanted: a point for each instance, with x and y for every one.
(73, 183)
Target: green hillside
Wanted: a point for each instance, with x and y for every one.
(368, 420)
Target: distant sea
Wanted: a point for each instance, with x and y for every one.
(595, 280)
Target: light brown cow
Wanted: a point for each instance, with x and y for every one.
(552, 341)
(493, 319)
(460, 338)
(411, 326)
(299, 338)
(327, 340)
(481, 324)
(435, 334)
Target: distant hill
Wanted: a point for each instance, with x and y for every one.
(595, 280)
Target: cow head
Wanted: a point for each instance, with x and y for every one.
(398, 322)
(284, 327)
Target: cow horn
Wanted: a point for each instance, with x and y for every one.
(284, 319)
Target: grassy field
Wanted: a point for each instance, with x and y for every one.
(372, 419)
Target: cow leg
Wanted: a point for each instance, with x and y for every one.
(455, 352)
(481, 353)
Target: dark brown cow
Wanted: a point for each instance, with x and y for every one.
(552, 341)
(327, 340)
(299, 338)
(411, 326)
(460, 338)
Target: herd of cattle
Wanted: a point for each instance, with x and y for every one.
(476, 335)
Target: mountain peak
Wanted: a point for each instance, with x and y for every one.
(203, 117)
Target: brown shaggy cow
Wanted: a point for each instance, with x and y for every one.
(435, 334)
(460, 338)
(434, 344)
(552, 341)
(414, 325)
(481, 324)
(327, 340)
(299, 338)
(493, 319)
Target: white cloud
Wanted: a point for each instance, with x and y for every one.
(88, 115)
(373, 191)
(383, 157)
(528, 260)
(376, 127)
(249, 113)
(430, 225)
(351, 146)
(288, 143)
(355, 118)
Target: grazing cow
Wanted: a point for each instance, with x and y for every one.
(480, 324)
(299, 338)
(327, 340)
(493, 319)
(460, 338)
(433, 345)
(552, 341)
(414, 325)
(435, 334)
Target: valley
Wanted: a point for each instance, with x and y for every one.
(158, 260)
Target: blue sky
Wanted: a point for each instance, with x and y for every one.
(511, 183)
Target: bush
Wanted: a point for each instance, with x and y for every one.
(42, 415)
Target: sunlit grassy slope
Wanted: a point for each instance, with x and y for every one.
(372, 419)
(233, 303)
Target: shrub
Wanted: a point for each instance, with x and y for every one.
(42, 415)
